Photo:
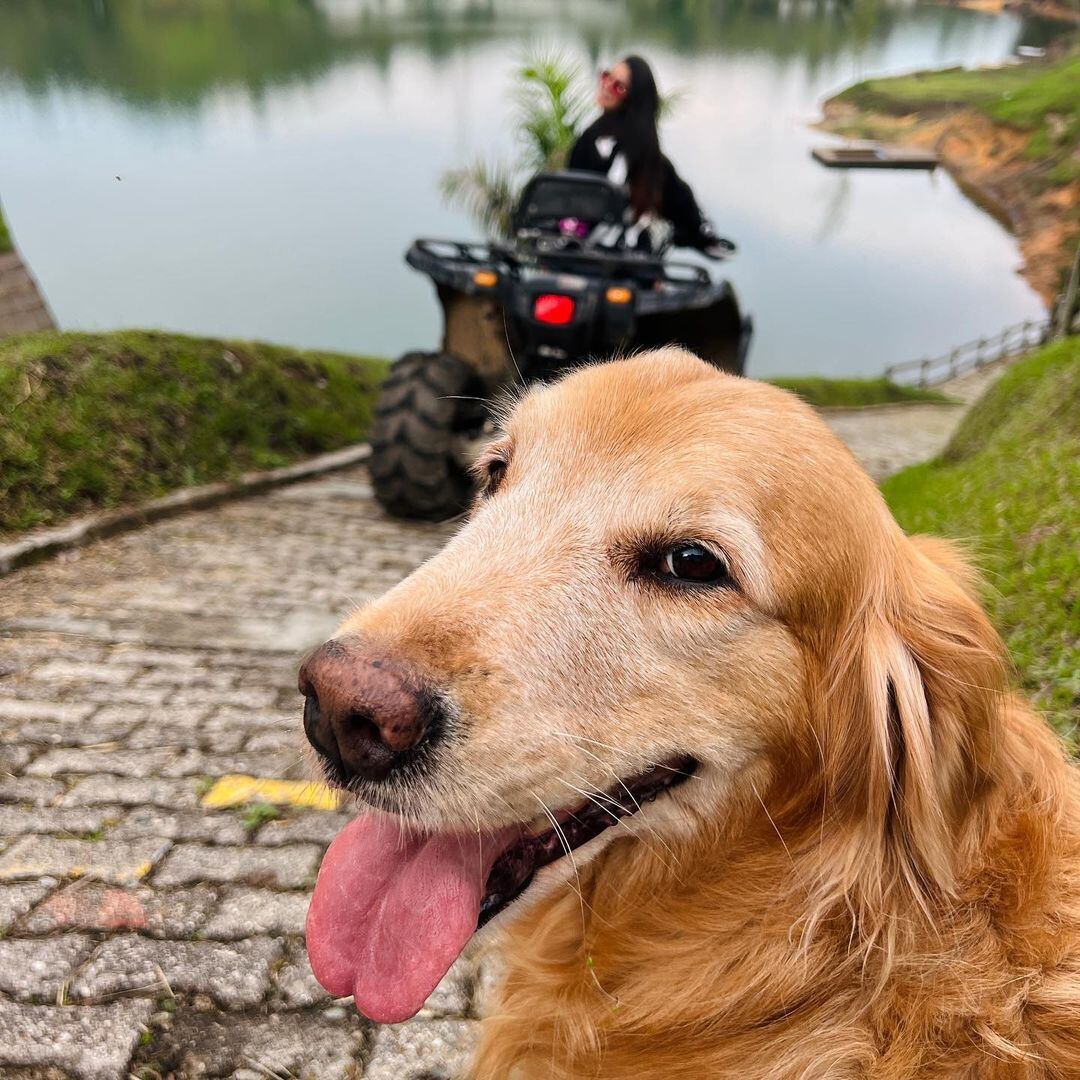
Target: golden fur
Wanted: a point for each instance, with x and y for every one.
(876, 871)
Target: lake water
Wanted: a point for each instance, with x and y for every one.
(258, 168)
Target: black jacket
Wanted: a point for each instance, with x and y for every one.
(677, 202)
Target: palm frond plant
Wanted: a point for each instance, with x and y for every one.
(550, 101)
(486, 191)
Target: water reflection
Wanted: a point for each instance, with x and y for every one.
(277, 156)
(177, 53)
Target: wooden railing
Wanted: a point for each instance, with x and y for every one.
(1013, 341)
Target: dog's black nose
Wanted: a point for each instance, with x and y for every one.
(366, 713)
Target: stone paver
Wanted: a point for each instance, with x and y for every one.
(223, 737)
(17, 709)
(171, 794)
(288, 867)
(62, 671)
(14, 758)
(17, 820)
(120, 861)
(297, 983)
(206, 763)
(135, 673)
(236, 975)
(304, 1046)
(16, 900)
(313, 827)
(486, 984)
(170, 913)
(137, 763)
(421, 1049)
(246, 912)
(30, 789)
(452, 996)
(89, 1043)
(888, 438)
(106, 727)
(214, 828)
(36, 968)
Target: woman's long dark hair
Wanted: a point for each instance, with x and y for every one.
(634, 125)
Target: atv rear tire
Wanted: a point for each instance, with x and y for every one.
(419, 433)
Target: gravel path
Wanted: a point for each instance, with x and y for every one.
(145, 928)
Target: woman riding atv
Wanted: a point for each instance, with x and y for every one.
(571, 282)
(623, 144)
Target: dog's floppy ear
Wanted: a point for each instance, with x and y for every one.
(911, 714)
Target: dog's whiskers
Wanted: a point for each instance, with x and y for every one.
(570, 853)
(510, 350)
(625, 754)
(610, 813)
(620, 819)
(622, 784)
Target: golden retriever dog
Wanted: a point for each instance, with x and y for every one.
(730, 761)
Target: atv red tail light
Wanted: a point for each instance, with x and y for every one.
(553, 309)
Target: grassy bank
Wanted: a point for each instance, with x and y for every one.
(101, 420)
(1038, 98)
(852, 393)
(1008, 135)
(1008, 485)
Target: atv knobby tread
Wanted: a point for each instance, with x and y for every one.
(413, 467)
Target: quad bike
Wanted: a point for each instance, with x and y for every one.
(573, 284)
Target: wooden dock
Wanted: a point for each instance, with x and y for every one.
(874, 157)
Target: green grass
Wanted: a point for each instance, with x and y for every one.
(203, 785)
(6, 243)
(823, 392)
(101, 420)
(258, 813)
(1038, 97)
(1009, 485)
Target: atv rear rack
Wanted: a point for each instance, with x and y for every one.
(454, 263)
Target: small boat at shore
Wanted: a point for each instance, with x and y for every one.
(875, 157)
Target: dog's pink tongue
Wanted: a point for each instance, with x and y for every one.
(392, 911)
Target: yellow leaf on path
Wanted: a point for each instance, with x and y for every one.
(235, 790)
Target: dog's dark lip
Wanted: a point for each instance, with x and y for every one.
(515, 869)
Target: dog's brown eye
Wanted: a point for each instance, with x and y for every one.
(693, 564)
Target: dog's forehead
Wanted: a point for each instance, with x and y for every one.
(664, 414)
(664, 440)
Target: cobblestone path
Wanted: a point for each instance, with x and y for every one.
(22, 307)
(888, 438)
(144, 932)
(148, 928)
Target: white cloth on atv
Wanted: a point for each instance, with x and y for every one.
(618, 170)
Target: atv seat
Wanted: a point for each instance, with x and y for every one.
(548, 198)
